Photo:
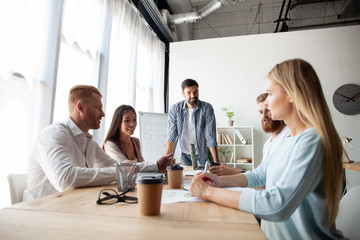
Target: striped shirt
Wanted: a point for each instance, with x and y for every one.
(205, 126)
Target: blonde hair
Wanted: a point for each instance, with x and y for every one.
(81, 93)
(300, 81)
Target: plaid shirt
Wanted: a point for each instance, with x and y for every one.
(205, 126)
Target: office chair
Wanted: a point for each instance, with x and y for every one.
(17, 184)
(349, 214)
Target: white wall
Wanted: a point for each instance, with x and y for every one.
(232, 72)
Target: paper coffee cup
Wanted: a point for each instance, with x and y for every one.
(149, 189)
(174, 176)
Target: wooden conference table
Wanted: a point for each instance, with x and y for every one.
(74, 214)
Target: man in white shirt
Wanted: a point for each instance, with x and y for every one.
(65, 156)
(278, 130)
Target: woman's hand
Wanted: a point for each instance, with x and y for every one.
(210, 179)
(164, 161)
(201, 184)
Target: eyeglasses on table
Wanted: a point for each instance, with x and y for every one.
(110, 196)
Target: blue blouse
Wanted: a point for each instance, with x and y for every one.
(293, 205)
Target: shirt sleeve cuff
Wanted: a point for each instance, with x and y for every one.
(250, 179)
(247, 200)
(148, 167)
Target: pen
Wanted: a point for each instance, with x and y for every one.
(206, 168)
(205, 179)
(121, 180)
(131, 171)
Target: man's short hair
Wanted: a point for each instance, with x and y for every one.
(261, 98)
(188, 83)
(83, 93)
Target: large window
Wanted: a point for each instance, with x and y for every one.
(79, 57)
(52, 45)
(136, 63)
(22, 27)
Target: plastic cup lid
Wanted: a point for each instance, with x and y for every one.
(150, 179)
(175, 167)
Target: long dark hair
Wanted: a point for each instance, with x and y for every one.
(114, 132)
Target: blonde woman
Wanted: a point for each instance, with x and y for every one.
(303, 177)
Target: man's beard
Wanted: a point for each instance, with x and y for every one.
(192, 103)
(271, 126)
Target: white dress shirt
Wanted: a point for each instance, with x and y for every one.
(63, 158)
(113, 151)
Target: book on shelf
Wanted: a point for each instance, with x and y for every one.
(232, 158)
(240, 136)
(243, 160)
(228, 139)
(221, 138)
(225, 141)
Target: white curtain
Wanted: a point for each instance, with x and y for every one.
(136, 63)
(133, 59)
(24, 88)
(79, 58)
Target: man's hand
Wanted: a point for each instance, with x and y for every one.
(224, 169)
(164, 161)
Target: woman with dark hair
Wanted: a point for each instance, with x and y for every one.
(121, 146)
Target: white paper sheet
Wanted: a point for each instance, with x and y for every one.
(192, 172)
(174, 196)
(240, 189)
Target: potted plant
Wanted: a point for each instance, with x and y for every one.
(224, 151)
(230, 114)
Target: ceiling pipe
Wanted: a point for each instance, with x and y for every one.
(192, 17)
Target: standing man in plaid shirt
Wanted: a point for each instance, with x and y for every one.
(192, 121)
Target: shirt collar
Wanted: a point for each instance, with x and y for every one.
(75, 129)
(197, 105)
